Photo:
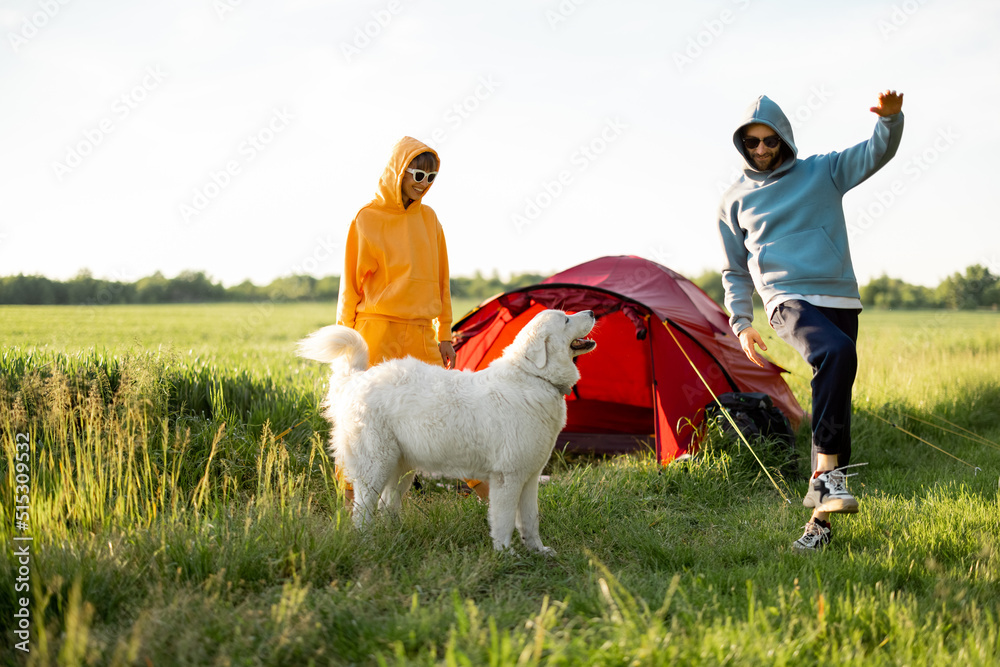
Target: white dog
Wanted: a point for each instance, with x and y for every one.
(499, 424)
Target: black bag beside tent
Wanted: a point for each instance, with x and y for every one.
(756, 417)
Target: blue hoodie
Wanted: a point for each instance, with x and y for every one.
(783, 230)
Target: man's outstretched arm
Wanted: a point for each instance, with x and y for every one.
(854, 165)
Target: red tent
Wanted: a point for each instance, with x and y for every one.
(637, 384)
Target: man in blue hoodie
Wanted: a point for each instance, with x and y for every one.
(784, 233)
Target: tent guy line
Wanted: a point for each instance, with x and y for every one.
(729, 417)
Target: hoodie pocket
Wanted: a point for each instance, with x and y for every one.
(804, 255)
(410, 299)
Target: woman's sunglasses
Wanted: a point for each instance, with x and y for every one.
(772, 141)
(418, 175)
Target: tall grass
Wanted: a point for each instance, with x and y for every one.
(183, 511)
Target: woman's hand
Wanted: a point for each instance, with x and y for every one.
(448, 356)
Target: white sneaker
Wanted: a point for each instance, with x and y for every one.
(817, 536)
(828, 492)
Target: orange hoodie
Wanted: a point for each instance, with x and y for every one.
(396, 260)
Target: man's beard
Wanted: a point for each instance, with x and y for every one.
(770, 164)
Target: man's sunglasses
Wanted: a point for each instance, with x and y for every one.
(772, 141)
(418, 175)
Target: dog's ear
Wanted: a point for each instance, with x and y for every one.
(537, 352)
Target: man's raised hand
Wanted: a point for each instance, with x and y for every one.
(889, 103)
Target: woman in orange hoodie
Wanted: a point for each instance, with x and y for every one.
(395, 280)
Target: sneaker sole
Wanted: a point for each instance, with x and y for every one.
(839, 506)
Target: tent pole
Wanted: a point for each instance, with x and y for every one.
(656, 399)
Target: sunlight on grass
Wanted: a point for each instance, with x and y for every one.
(183, 511)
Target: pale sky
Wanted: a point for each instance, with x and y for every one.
(240, 137)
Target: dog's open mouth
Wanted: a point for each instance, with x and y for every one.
(582, 345)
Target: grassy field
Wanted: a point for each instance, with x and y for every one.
(182, 511)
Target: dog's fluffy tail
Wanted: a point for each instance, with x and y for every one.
(335, 344)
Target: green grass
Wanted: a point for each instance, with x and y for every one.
(184, 512)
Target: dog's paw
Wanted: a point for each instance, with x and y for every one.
(548, 552)
(502, 546)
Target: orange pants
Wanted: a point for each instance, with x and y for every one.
(388, 339)
(394, 340)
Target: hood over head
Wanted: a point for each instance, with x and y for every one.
(389, 193)
(765, 111)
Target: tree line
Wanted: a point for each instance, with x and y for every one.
(976, 288)
(197, 287)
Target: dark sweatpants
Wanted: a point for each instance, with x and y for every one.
(826, 338)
